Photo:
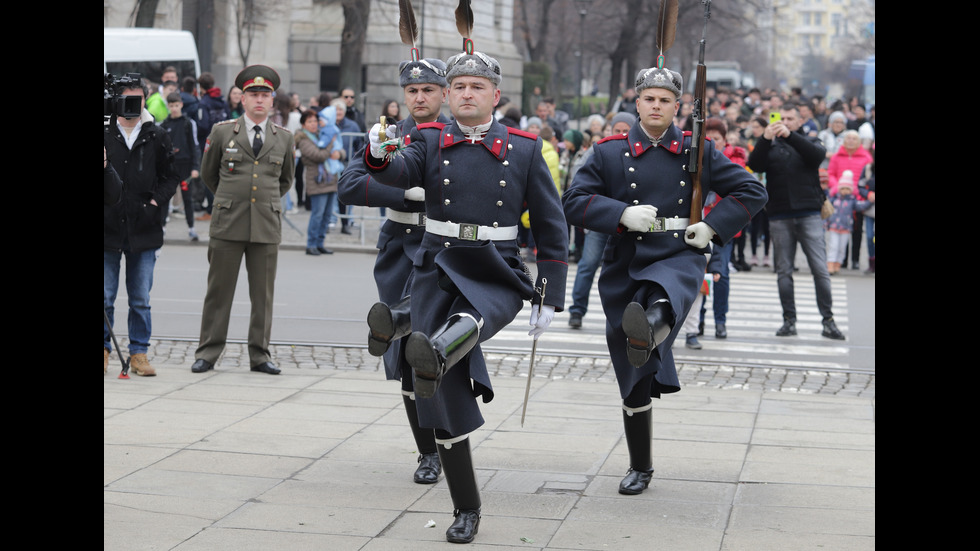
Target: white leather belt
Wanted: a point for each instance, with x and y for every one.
(470, 232)
(662, 223)
(410, 218)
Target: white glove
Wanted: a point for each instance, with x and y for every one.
(698, 235)
(415, 194)
(376, 141)
(540, 320)
(638, 217)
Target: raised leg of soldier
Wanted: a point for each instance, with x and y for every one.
(647, 325)
(432, 356)
(388, 323)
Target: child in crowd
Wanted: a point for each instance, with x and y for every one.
(840, 224)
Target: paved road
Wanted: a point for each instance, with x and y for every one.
(322, 301)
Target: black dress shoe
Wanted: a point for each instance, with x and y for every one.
(312, 252)
(575, 321)
(345, 230)
(465, 527)
(324, 250)
(266, 367)
(429, 468)
(635, 482)
(201, 365)
(720, 331)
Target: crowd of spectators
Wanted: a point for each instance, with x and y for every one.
(203, 103)
(844, 127)
(746, 115)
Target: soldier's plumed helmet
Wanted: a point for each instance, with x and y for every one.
(423, 71)
(659, 78)
(257, 77)
(476, 64)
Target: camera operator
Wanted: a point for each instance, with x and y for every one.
(142, 154)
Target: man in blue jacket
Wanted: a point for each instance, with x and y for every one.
(637, 189)
(469, 282)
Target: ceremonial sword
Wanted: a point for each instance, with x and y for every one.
(534, 348)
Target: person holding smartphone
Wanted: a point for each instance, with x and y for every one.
(790, 160)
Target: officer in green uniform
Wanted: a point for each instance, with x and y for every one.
(248, 164)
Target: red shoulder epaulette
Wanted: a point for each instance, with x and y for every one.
(688, 133)
(613, 137)
(520, 132)
(435, 124)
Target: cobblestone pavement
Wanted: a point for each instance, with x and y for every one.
(164, 353)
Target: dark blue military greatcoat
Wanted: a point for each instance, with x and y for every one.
(397, 242)
(488, 183)
(629, 170)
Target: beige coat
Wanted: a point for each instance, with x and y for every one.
(313, 157)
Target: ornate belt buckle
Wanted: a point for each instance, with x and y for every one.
(421, 219)
(469, 232)
(658, 224)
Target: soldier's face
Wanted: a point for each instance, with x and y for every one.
(472, 99)
(657, 108)
(257, 104)
(424, 101)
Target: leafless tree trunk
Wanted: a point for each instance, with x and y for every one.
(246, 17)
(144, 13)
(626, 49)
(356, 13)
(535, 29)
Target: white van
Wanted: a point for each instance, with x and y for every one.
(726, 74)
(149, 52)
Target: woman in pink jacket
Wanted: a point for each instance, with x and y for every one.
(851, 156)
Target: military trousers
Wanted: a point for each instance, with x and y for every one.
(225, 259)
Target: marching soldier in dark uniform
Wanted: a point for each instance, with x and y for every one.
(424, 84)
(248, 164)
(469, 280)
(637, 189)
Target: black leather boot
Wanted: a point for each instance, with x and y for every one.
(639, 433)
(429, 464)
(431, 358)
(463, 488)
(388, 323)
(646, 329)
